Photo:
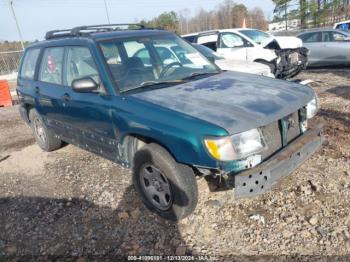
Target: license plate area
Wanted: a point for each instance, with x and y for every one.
(253, 184)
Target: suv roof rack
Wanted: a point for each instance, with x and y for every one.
(88, 29)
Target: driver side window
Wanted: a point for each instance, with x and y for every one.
(231, 40)
(80, 64)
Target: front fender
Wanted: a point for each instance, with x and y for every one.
(180, 134)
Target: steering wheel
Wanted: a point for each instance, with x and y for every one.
(167, 67)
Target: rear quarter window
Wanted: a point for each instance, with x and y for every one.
(29, 64)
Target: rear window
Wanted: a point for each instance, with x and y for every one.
(29, 64)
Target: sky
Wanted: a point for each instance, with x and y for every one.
(36, 17)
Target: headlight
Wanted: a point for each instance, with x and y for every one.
(236, 147)
(312, 107)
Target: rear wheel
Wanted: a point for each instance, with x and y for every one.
(43, 136)
(165, 186)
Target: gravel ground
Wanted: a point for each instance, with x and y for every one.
(71, 202)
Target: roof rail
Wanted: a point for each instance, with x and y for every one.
(88, 29)
(211, 32)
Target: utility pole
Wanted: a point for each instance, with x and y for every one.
(17, 25)
(107, 14)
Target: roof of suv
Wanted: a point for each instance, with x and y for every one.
(96, 32)
(127, 33)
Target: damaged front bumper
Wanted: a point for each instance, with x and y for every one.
(292, 62)
(262, 178)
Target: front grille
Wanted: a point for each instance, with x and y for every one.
(273, 133)
(294, 128)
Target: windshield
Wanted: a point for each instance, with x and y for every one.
(153, 60)
(256, 35)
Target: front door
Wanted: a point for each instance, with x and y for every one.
(87, 115)
(232, 46)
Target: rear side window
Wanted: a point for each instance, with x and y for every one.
(51, 65)
(29, 64)
(80, 64)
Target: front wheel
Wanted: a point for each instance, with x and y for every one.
(165, 186)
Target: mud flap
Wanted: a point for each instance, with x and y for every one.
(258, 180)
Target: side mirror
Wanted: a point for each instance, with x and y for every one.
(86, 84)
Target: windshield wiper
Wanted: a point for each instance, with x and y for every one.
(155, 83)
(193, 75)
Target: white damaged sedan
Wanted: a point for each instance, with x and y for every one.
(286, 56)
(234, 65)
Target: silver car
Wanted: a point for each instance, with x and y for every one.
(327, 47)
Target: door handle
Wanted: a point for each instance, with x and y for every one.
(66, 97)
(37, 90)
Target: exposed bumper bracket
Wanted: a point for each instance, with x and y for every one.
(256, 181)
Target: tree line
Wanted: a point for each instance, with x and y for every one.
(312, 13)
(228, 14)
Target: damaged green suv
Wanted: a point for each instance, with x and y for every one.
(123, 95)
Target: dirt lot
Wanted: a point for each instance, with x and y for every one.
(71, 202)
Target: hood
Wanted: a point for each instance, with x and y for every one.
(284, 42)
(232, 100)
(244, 66)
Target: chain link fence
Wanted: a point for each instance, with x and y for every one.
(9, 61)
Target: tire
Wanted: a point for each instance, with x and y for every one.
(176, 179)
(43, 136)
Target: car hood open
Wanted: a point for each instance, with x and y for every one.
(232, 100)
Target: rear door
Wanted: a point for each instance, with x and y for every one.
(336, 49)
(313, 42)
(233, 46)
(49, 88)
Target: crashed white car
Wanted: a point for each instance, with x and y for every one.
(234, 65)
(174, 54)
(285, 55)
